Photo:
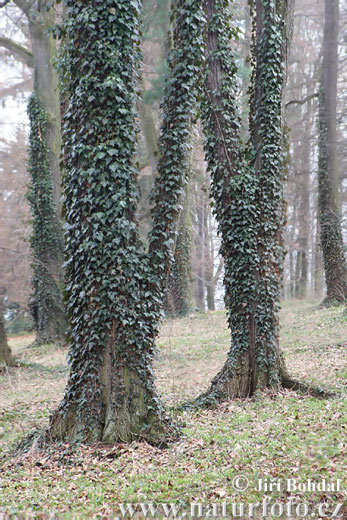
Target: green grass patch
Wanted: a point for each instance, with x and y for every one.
(268, 438)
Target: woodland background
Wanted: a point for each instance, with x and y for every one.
(303, 274)
(275, 436)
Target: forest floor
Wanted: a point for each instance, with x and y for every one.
(288, 436)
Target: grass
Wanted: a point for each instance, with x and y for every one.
(289, 436)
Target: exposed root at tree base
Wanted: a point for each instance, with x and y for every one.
(228, 384)
(290, 383)
(332, 302)
(165, 434)
(223, 388)
(159, 429)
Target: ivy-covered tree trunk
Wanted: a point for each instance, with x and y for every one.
(45, 177)
(46, 85)
(46, 241)
(248, 198)
(335, 266)
(45, 145)
(115, 287)
(5, 351)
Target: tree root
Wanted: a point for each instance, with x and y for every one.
(304, 388)
(332, 302)
(230, 383)
(219, 391)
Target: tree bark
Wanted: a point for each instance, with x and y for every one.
(248, 201)
(200, 240)
(210, 283)
(150, 133)
(335, 266)
(47, 300)
(303, 187)
(318, 264)
(179, 295)
(115, 287)
(46, 85)
(48, 309)
(5, 351)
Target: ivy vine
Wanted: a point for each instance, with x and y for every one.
(246, 185)
(115, 288)
(267, 142)
(46, 240)
(179, 110)
(233, 186)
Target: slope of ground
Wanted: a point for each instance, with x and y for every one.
(284, 437)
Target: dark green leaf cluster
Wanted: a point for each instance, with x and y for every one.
(179, 110)
(247, 183)
(115, 288)
(268, 165)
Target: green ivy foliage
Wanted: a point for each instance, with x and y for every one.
(267, 141)
(46, 240)
(104, 269)
(115, 288)
(247, 189)
(233, 186)
(179, 110)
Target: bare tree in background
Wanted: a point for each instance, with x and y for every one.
(328, 174)
(46, 302)
(5, 351)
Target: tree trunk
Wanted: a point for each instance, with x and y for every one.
(200, 240)
(45, 188)
(329, 215)
(46, 85)
(115, 287)
(248, 199)
(44, 155)
(318, 264)
(291, 274)
(179, 295)
(209, 258)
(46, 303)
(5, 351)
(304, 208)
(150, 133)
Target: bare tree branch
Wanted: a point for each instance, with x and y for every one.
(18, 51)
(302, 101)
(24, 5)
(13, 89)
